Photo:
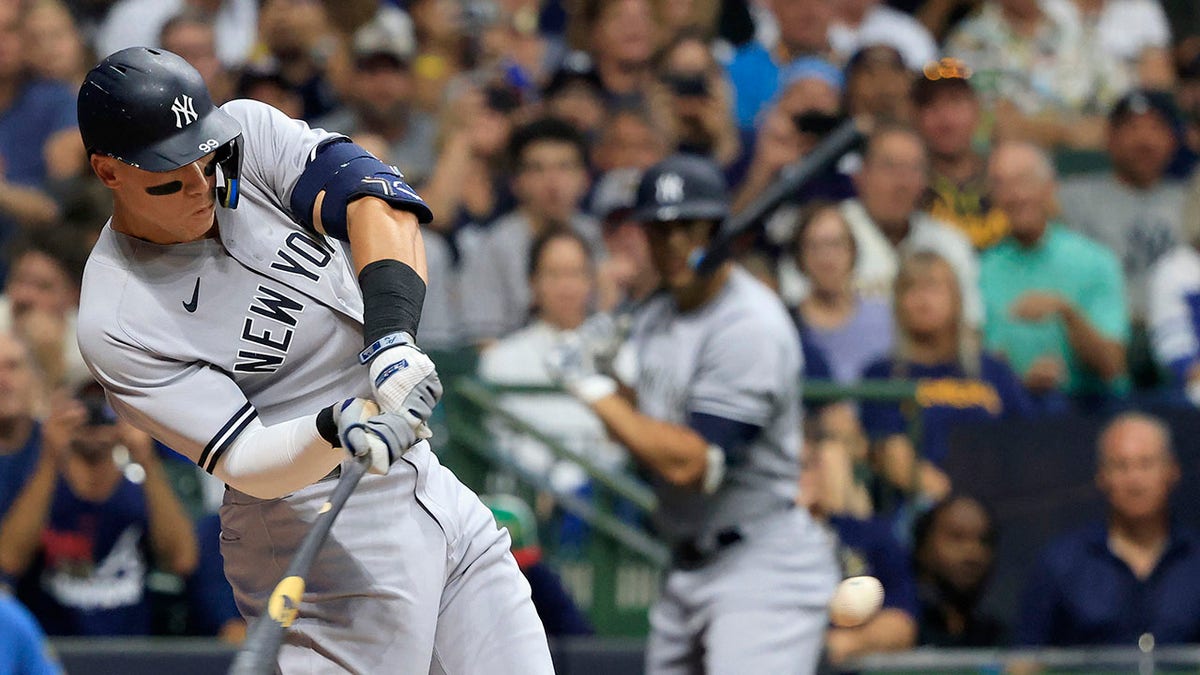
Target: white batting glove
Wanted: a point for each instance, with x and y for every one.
(404, 380)
(381, 437)
(572, 366)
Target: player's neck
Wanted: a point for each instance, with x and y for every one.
(700, 292)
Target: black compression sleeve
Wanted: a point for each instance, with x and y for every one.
(327, 426)
(393, 294)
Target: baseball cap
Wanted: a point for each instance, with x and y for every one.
(615, 194)
(576, 69)
(1142, 101)
(682, 187)
(948, 75)
(811, 68)
(389, 34)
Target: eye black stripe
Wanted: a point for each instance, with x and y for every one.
(165, 189)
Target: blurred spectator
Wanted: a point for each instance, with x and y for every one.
(575, 94)
(627, 276)
(268, 86)
(441, 314)
(41, 299)
(850, 331)
(865, 547)
(192, 35)
(886, 220)
(1055, 299)
(77, 533)
(1183, 17)
(380, 101)
(469, 185)
(948, 114)
(1173, 317)
(1036, 72)
(954, 547)
(561, 277)
(698, 99)
(20, 433)
(1134, 34)
(54, 49)
(548, 159)
(620, 35)
(676, 17)
(939, 16)
(212, 610)
(302, 45)
(131, 23)
(862, 23)
(754, 69)
(1136, 210)
(514, 49)
(442, 48)
(1133, 578)
(878, 84)
(555, 606)
(26, 651)
(957, 383)
(629, 138)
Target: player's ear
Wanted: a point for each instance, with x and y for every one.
(105, 169)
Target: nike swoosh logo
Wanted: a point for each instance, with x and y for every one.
(190, 305)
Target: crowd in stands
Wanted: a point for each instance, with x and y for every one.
(1020, 235)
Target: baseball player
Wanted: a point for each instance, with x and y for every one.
(717, 423)
(225, 310)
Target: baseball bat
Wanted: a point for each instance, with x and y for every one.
(839, 141)
(258, 655)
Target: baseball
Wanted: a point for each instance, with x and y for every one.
(855, 601)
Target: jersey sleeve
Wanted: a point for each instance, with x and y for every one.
(193, 408)
(277, 148)
(742, 368)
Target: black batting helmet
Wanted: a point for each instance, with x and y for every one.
(681, 187)
(150, 109)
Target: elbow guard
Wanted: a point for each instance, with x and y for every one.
(344, 171)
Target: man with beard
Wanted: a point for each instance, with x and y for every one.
(954, 547)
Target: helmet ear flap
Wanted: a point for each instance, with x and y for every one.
(229, 163)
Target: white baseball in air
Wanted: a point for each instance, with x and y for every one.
(855, 601)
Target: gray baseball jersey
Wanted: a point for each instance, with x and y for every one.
(758, 605)
(195, 341)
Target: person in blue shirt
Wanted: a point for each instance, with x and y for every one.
(1133, 578)
(956, 382)
(20, 433)
(23, 647)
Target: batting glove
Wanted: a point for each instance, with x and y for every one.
(404, 379)
(572, 366)
(380, 437)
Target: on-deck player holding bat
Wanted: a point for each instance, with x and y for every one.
(716, 422)
(235, 335)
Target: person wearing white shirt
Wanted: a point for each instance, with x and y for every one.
(861, 23)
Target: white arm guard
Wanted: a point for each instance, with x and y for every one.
(270, 462)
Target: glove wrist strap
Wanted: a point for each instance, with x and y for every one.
(386, 342)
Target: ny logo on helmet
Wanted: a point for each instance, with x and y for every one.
(668, 189)
(184, 112)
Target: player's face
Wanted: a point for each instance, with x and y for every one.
(166, 207)
(959, 551)
(18, 383)
(1136, 471)
(826, 251)
(928, 302)
(672, 246)
(562, 283)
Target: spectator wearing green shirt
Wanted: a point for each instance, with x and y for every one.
(1054, 300)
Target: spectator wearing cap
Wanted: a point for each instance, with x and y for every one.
(192, 35)
(627, 277)
(576, 94)
(1055, 299)
(697, 98)
(379, 98)
(1132, 578)
(887, 220)
(130, 23)
(549, 179)
(879, 84)
(861, 23)
(947, 115)
(755, 68)
(1136, 209)
(1036, 73)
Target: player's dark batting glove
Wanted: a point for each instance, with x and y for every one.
(573, 366)
(382, 437)
(404, 379)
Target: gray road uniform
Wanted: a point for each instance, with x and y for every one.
(751, 574)
(198, 343)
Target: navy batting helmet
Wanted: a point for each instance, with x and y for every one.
(150, 109)
(682, 187)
